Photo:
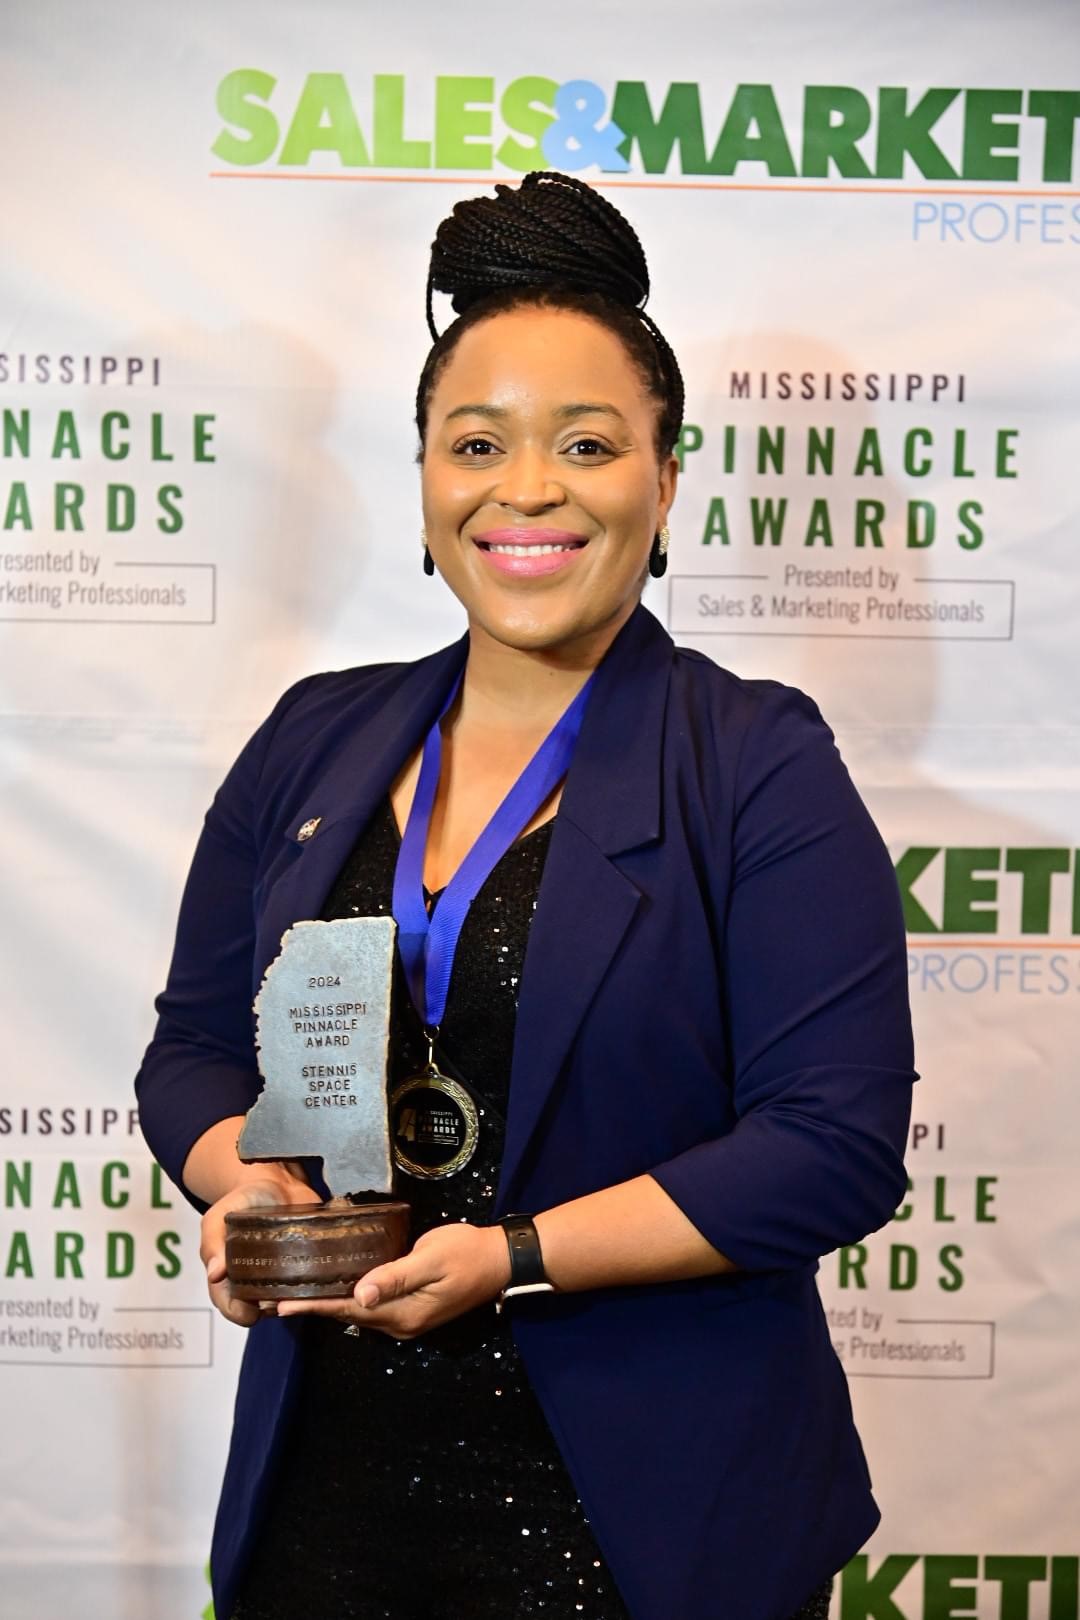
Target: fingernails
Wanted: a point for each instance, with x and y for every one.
(367, 1294)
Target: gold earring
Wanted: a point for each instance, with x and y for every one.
(658, 553)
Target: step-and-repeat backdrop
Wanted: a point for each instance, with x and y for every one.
(864, 231)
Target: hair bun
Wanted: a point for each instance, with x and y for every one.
(551, 230)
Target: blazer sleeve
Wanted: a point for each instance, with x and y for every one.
(815, 969)
(200, 1066)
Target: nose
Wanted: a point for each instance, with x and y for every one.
(528, 482)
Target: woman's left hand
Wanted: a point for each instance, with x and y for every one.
(449, 1270)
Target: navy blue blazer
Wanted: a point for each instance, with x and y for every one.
(714, 992)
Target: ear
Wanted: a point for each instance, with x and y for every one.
(669, 478)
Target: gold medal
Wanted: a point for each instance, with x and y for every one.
(434, 1123)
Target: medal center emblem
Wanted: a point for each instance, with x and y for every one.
(434, 1124)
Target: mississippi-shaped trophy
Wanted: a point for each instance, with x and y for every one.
(322, 1027)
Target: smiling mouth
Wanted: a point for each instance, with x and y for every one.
(506, 549)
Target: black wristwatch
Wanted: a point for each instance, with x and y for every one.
(527, 1274)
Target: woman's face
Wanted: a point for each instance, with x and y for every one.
(540, 434)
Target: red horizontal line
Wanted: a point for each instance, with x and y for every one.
(649, 185)
(999, 944)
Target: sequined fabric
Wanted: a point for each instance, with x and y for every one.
(420, 1480)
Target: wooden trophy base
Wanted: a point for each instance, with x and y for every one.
(311, 1251)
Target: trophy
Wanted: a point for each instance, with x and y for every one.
(322, 1027)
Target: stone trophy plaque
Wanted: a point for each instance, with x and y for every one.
(322, 1026)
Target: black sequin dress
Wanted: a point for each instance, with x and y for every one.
(419, 1480)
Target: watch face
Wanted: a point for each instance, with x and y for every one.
(434, 1125)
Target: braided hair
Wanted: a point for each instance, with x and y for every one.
(555, 242)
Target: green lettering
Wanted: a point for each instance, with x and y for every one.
(17, 1184)
(463, 113)
(16, 432)
(770, 450)
(972, 537)
(952, 1278)
(1060, 110)
(392, 150)
(527, 107)
(984, 1198)
(1016, 1574)
(325, 121)
(819, 526)
(167, 1244)
(921, 524)
(869, 1597)
(869, 516)
(111, 1197)
(119, 508)
(119, 1254)
(820, 450)
(158, 451)
(67, 1186)
(157, 1189)
(941, 1184)
(753, 132)
(943, 1599)
(691, 438)
(906, 133)
(18, 1260)
(67, 502)
(237, 98)
(1037, 869)
(985, 137)
(917, 466)
(903, 1267)
(1064, 1588)
(68, 1254)
(110, 449)
(852, 1267)
(66, 437)
(169, 495)
(767, 520)
(959, 465)
(869, 454)
(204, 438)
(1006, 450)
(909, 868)
(716, 523)
(834, 118)
(679, 124)
(17, 510)
(963, 913)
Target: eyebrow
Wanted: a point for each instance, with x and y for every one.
(565, 413)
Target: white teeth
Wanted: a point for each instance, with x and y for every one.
(528, 551)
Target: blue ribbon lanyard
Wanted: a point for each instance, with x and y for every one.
(427, 944)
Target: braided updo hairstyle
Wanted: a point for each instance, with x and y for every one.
(554, 242)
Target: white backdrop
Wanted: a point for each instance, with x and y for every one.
(211, 324)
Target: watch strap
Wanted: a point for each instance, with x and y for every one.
(527, 1275)
(526, 1258)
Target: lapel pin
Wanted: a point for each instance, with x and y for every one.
(308, 830)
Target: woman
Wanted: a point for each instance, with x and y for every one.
(695, 1080)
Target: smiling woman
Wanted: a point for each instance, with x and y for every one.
(629, 955)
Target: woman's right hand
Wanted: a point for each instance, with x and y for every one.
(265, 1184)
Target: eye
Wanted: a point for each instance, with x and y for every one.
(464, 447)
(595, 447)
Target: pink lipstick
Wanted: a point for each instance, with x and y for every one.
(524, 553)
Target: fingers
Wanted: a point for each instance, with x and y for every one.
(243, 1312)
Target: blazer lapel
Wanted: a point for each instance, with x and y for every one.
(611, 803)
(377, 733)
